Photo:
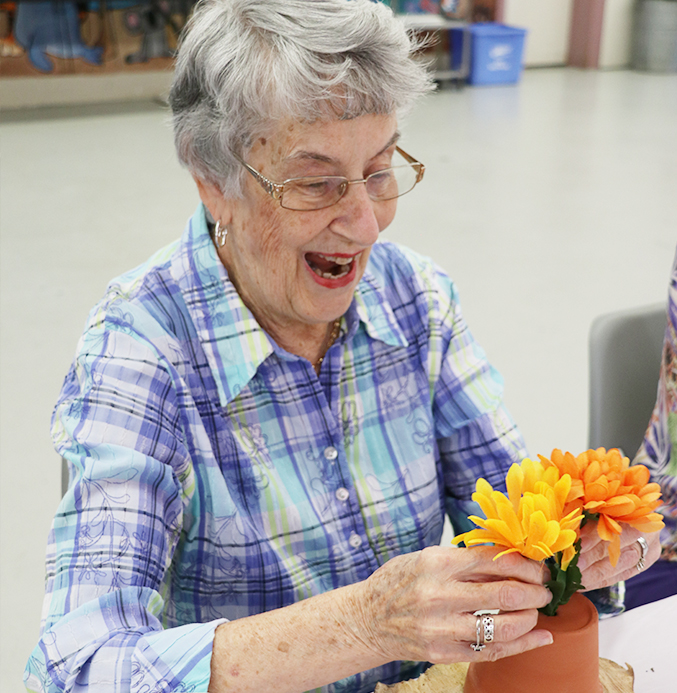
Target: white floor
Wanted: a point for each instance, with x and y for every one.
(549, 202)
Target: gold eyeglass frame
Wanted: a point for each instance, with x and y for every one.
(275, 190)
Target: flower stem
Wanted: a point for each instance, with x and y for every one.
(563, 583)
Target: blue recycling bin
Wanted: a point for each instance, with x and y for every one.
(496, 52)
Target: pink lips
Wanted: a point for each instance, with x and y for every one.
(334, 282)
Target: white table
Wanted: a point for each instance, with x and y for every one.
(646, 639)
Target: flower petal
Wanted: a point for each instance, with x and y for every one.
(615, 549)
(514, 482)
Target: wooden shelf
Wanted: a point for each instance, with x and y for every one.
(429, 22)
(434, 23)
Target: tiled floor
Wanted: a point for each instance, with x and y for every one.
(549, 203)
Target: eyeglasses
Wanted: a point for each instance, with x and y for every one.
(318, 192)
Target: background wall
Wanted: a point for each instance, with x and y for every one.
(549, 203)
(549, 25)
(548, 22)
(616, 34)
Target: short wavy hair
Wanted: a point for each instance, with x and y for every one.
(245, 65)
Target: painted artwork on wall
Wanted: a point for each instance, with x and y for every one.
(62, 37)
(43, 37)
(473, 10)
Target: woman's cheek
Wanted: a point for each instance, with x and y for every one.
(385, 213)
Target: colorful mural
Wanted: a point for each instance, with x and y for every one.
(39, 37)
(57, 37)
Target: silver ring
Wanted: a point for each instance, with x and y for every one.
(488, 623)
(484, 630)
(645, 549)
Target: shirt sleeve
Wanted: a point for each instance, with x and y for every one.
(110, 549)
(476, 435)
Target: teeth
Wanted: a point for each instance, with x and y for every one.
(329, 275)
(338, 260)
(343, 262)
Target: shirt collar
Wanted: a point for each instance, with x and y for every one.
(234, 343)
(375, 312)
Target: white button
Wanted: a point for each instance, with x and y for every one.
(355, 540)
(343, 494)
(330, 453)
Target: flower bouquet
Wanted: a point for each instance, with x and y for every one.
(547, 503)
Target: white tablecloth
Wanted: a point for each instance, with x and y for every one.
(646, 639)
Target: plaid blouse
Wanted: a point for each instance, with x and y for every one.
(215, 475)
(659, 448)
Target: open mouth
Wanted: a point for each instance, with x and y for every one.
(330, 266)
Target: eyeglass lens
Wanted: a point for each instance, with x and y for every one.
(317, 193)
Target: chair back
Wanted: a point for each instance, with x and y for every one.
(625, 358)
(64, 476)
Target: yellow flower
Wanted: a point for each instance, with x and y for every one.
(604, 484)
(530, 520)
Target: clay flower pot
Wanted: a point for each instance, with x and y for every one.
(569, 665)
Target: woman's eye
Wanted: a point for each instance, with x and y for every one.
(381, 179)
(381, 176)
(314, 188)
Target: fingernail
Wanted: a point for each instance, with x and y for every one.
(547, 638)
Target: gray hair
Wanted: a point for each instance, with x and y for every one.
(244, 65)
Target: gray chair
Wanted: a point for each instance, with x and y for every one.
(64, 476)
(625, 358)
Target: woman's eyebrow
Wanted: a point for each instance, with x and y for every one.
(316, 156)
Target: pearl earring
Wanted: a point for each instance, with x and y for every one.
(220, 233)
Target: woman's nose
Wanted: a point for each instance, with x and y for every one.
(357, 219)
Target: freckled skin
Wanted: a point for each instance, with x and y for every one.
(416, 606)
(266, 246)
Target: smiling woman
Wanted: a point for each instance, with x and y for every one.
(282, 260)
(266, 422)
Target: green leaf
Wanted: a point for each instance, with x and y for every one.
(563, 583)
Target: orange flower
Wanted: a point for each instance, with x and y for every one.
(604, 484)
(532, 519)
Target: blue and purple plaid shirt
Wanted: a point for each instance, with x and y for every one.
(659, 448)
(215, 475)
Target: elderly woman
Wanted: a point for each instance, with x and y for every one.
(266, 423)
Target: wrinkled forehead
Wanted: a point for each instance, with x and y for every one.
(327, 140)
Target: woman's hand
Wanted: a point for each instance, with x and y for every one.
(420, 606)
(596, 568)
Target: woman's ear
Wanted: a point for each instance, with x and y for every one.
(213, 200)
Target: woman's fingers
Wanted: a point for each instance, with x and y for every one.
(505, 595)
(594, 549)
(478, 564)
(446, 651)
(451, 640)
(419, 606)
(596, 567)
(506, 626)
(498, 650)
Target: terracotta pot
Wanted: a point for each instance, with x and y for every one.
(569, 665)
